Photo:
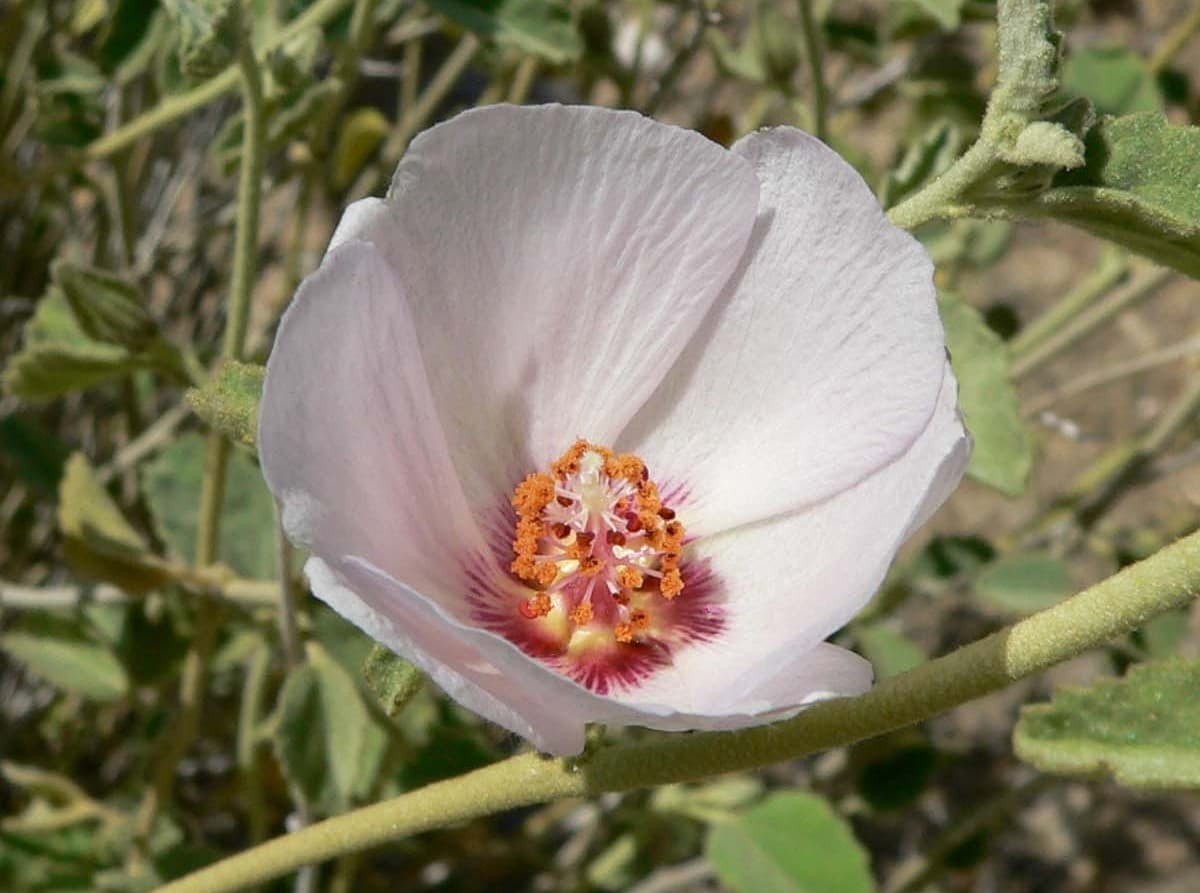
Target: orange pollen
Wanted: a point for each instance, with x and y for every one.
(672, 584)
(546, 573)
(532, 494)
(630, 577)
(536, 606)
(588, 533)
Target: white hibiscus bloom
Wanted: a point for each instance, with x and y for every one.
(597, 421)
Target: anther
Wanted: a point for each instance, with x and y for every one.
(536, 606)
(671, 584)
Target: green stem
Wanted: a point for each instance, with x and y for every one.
(934, 200)
(248, 741)
(522, 81)
(345, 70)
(249, 202)
(816, 69)
(183, 104)
(193, 686)
(416, 116)
(1104, 611)
(1111, 269)
(1099, 487)
(671, 76)
(1080, 326)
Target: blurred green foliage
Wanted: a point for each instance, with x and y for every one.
(120, 144)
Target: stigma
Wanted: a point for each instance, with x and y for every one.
(598, 549)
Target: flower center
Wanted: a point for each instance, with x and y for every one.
(599, 548)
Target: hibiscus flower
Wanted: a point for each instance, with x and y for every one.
(595, 420)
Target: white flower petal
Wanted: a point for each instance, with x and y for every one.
(792, 581)
(737, 697)
(557, 260)
(349, 439)
(820, 364)
(483, 672)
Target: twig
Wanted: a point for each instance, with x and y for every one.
(1173, 353)
(182, 104)
(1088, 322)
(523, 80)
(1110, 271)
(1175, 41)
(155, 436)
(809, 27)
(704, 18)
(418, 114)
(246, 593)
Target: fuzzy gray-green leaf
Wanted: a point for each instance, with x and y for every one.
(1143, 730)
(1003, 453)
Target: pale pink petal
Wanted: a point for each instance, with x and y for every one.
(352, 447)
(820, 364)
(349, 439)
(481, 671)
(557, 260)
(792, 581)
(763, 688)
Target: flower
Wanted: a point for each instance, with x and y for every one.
(597, 421)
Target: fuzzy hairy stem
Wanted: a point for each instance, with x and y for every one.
(1108, 609)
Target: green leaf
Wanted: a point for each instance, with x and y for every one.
(71, 663)
(1024, 583)
(171, 484)
(329, 746)
(229, 401)
(208, 34)
(107, 307)
(1143, 730)
(58, 357)
(1116, 80)
(1139, 187)
(889, 650)
(1003, 454)
(789, 843)
(544, 28)
(100, 544)
(392, 679)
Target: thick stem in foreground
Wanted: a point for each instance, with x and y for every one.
(1111, 608)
